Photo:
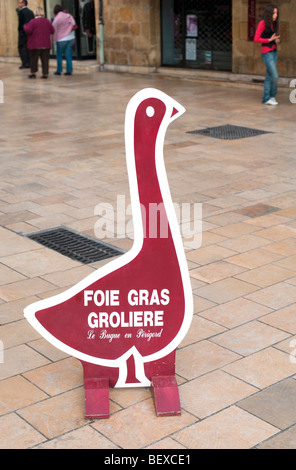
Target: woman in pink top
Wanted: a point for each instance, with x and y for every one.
(38, 33)
(266, 34)
(64, 25)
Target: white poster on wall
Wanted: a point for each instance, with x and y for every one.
(190, 49)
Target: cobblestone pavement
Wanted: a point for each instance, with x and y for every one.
(62, 154)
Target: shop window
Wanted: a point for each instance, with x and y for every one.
(197, 34)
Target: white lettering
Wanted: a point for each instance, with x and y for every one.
(148, 320)
(87, 296)
(109, 336)
(104, 226)
(114, 319)
(293, 353)
(154, 298)
(138, 318)
(120, 319)
(148, 334)
(132, 300)
(115, 460)
(99, 297)
(165, 296)
(293, 93)
(142, 297)
(91, 335)
(93, 320)
(103, 319)
(158, 318)
(171, 459)
(1, 352)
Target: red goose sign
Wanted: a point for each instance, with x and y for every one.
(125, 321)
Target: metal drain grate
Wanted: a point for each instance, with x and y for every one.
(229, 132)
(74, 245)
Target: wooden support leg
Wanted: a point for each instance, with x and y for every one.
(166, 395)
(96, 398)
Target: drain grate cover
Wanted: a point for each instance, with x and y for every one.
(229, 132)
(75, 246)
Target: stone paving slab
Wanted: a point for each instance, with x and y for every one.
(62, 154)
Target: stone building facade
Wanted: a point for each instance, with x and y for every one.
(246, 54)
(134, 36)
(8, 26)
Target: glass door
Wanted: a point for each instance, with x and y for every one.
(84, 13)
(87, 28)
(197, 34)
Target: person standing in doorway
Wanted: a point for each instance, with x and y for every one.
(24, 16)
(89, 23)
(64, 35)
(266, 34)
(39, 31)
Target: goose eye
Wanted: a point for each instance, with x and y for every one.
(150, 111)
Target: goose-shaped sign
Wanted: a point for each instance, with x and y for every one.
(125, 320)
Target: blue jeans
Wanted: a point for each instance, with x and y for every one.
(271, 77)
(64, 47)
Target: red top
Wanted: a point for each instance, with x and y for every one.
(39, 31)
(263, 37)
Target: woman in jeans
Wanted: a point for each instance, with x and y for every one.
(266, 34)
(64, 35)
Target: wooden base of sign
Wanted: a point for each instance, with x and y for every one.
(166, 396)
(161, 374)
(96, 398)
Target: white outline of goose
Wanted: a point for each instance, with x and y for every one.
(128, 257)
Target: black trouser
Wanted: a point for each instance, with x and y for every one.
(23, 50)
(44, 56)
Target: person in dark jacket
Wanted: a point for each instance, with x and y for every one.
(39, 31)
(24, 16)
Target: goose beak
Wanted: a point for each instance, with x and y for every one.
(178, 110)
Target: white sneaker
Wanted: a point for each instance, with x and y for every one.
(271, 101)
